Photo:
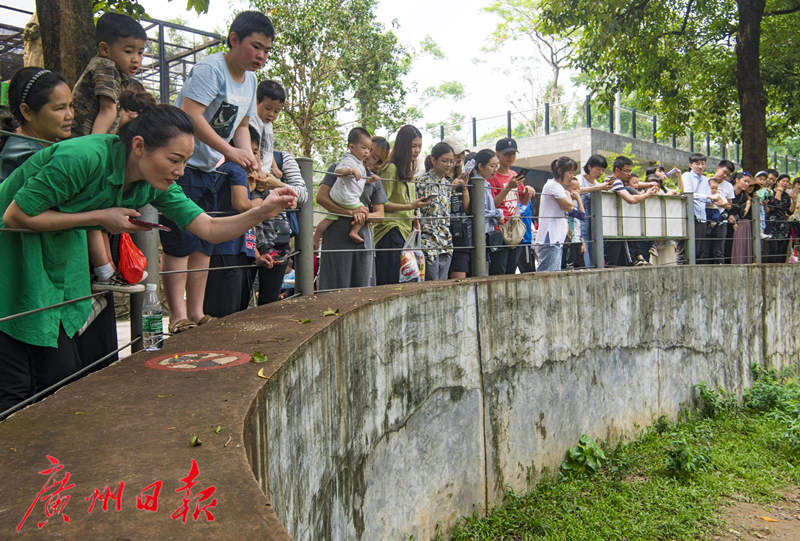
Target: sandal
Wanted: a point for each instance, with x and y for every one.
(206, 319)
(181, 325)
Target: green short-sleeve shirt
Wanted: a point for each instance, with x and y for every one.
(397, 191)
(41, 269)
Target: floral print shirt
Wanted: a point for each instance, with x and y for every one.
(435, 217)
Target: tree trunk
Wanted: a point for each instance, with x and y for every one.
(67, 35)
(752, 98)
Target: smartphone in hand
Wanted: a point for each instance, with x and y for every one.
(151, 225)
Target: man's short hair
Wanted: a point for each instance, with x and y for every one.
(272, 90)
(697, 157)
(727, 164)
(356, 134)
(251, 22)
(113, 26)
(621, 162)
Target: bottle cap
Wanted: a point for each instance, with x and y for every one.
(150, 287)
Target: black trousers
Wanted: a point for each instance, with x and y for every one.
(527, 259)
(387, 263)
(504, 260)
(228, 291)
(270, 282)
(25, 369)
(715, 244)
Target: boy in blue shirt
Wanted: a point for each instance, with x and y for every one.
(220, 97)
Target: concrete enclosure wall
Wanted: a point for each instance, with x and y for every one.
(414, 410)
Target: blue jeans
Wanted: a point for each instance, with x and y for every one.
(586, 234)
(549, 257)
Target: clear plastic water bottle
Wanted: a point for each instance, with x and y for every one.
(152, 325)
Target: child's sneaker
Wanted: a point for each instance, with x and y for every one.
(117, 282)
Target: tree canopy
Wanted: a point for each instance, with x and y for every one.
(334, 56)
(724, 66)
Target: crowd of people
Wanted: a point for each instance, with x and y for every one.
(81, 161)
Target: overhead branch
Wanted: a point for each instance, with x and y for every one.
(786, 11)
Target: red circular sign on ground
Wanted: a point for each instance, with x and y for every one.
(195, 361)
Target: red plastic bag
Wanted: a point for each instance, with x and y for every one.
(132, 262)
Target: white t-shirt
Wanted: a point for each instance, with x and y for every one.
(227, 103)
(267, 143)
(346, 191)
(726, 189)
(552, 219)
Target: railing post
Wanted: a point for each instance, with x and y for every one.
(738, 158)
(588, 111)
(786, 163)
(674, 141)
(756, 210)
(775, 159)
(724, 148)
(474, 132)
(147, 242)
(691, 140)
(611, 118)
(546, 118)
(477, 199)
(655, 128)
(633, 122)
(163, 68)
(598, 249)
(689, 248)
(508, 124)
(305, 238)
(708, 145)
(441, 132)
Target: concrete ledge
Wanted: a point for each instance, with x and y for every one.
(411, 408)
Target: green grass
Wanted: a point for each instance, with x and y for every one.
(746, 452)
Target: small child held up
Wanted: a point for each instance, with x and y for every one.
(346, 192)
(270, 97)
(96, 98)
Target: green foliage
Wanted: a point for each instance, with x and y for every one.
(713, 402)
(333, 56)
(430, 47)
(135, 10)
(586, 457)
(679, 60)
(636, 494)
(684, 460)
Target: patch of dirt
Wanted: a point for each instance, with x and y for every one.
(750, 522)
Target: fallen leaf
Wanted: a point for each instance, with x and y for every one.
(196, 441)
(229, 440)
(303, 321)
(13, 449)
(759, 535)
(258, 357)
(171, 427)
(767, 519)
(261, 374)
(218, 429)
(398, 289)
(161, 395)
(80, 413)
(330, 312)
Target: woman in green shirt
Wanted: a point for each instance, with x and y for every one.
(401, 204)
(88, 182)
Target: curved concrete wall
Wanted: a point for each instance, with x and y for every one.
(416, 409)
